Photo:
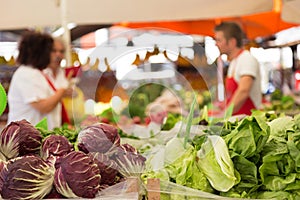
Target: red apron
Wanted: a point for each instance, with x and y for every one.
(230, 87)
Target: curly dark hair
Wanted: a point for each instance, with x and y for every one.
(35, 49)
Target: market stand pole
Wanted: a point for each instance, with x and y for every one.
(67, 34)
(295, 57)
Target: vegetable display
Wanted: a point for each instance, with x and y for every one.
(36, 163)
(253, 157)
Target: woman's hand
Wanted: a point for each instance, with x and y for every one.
(70, 92)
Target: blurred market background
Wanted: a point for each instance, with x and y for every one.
(118, 47)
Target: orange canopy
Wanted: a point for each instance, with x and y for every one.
(255, 25)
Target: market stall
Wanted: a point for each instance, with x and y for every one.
(147, 133)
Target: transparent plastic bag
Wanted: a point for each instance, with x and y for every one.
(166, 190)
(125, 190)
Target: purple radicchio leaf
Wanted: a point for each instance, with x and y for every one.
(77, 175)
(100, 137)
(26, 177)
(108, 168)
(55, 145)
(20, 138)
(129, 161)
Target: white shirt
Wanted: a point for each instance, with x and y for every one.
(29, 85)
(246, 64)
(60, 81)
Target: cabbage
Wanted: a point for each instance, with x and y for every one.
(130, 162)
(108, 168)
(77, 175)
(99, 137)
(26, 177)
(20, 138)
(55, 145)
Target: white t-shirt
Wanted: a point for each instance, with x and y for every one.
(246, 64)
(29, 85)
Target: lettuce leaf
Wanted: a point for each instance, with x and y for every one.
(249, 137)
(216, 164)
(182, 170)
